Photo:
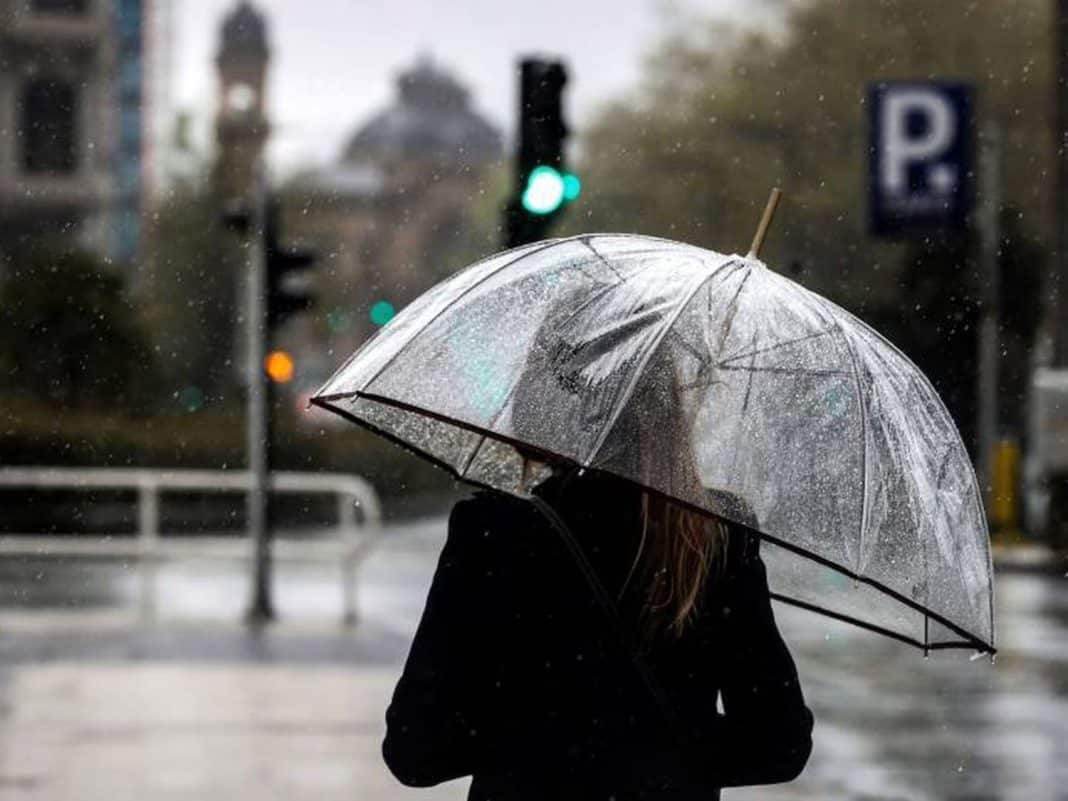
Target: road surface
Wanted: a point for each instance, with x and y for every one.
(96, 705)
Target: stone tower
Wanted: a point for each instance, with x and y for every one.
(241, 126)
(241, 131)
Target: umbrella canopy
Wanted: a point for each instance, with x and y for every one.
(715, 381)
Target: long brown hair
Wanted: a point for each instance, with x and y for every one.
(679, 550)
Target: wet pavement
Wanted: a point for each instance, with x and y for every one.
(95, 703)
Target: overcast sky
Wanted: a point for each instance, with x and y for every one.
(334, 62)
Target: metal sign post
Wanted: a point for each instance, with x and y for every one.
(989, 339)
(1057, 274)
(1056, 311)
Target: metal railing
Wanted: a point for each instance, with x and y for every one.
(358, 521)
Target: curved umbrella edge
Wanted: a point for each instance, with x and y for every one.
(970, 641)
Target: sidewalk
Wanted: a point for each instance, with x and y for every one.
(97, 705)
(94, 705)
(296, 714)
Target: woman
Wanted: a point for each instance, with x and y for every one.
(516, 678)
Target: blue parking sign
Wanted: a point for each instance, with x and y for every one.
(920, 166)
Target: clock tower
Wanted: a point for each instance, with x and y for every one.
(241, 131)
(241, 125)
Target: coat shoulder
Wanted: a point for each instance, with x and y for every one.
(487, 508)
(494, 522)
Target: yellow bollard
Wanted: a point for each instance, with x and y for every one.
(1004, 489)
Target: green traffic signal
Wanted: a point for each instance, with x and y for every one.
(382, 312)
(572, 186)
(547, 189)
(544, 192)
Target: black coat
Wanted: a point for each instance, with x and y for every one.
(516, 678)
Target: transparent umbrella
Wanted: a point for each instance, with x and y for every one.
(711, 379)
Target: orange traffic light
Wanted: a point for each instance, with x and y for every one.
(279, 366)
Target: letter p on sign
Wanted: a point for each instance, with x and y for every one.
(920, 157)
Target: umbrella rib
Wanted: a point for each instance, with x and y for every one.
(877, 629)
(527, 252)
(611, 267)
(693, 350)
(732, 312)
(594, 297)
(749, 380)
(802, 552)
(864, 511)
(625, 396)
(492, 422)
(924, 381)
(977, 499)
(780, 370)
(776, 346)
(589, 301)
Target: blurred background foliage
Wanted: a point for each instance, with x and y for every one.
(187, 291)
(100, 371)
(71, 337)
(724, 113)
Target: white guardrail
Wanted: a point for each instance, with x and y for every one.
(359, 520)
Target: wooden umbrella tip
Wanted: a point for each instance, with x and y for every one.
(765, 223)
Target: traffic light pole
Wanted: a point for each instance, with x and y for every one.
(270, 299)
(261, 607)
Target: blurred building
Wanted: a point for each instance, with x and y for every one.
(391, 216)
(72, 77)
(129, 168)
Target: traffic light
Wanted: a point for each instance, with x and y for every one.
(543, 185)
(285, 297)
(278, 365)
(382, 311)
(547, 189)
